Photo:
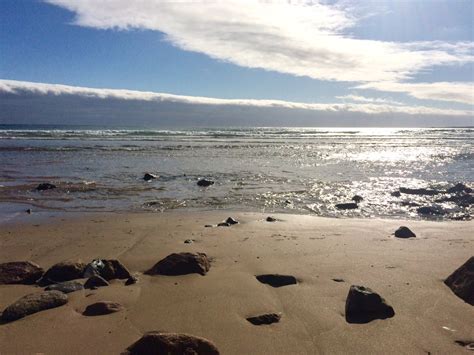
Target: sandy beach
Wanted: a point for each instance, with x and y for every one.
(408, 273)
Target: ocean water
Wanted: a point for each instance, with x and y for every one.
(295, 170)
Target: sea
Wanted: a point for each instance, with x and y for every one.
(270, 170)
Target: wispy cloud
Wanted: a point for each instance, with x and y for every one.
(12, 87)
(377, 100)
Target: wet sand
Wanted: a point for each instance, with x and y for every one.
(408, 273)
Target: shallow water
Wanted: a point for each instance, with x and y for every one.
(297, 170)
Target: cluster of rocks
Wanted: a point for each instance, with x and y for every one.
(350, 205)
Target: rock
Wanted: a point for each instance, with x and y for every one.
(131, 281)
(364, 305)
(347, 206)
(338, 280)
(45, 186)
(396, 194)
(148, 177)
(268, 318)
(29, 211)
(114, 269)
(421, 191)
(208, 226)
(102, 308)
(171, 344)
(189, 241)
(431, 210)
(404, 232)
(357, 199)
(19, 272)
(65, 287)
(95, 282)
(410, 204)
(231, 221)
(463, 200)
(461, 281)
(33, 303)
(468, 344)
(64, 271)
(271, 219)
(459, 187)
(205, 183)
(181, 264)
(276, 280)
(223, 224)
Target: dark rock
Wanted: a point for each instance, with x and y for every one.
(171, 344)
(347, 206)
(276, 280)
(271, 219)
(364, 305)
(431, 210)
(189, 241)
(95, 282)
(65, 287)
(181, 264)
(131, 281)
(29, 211)
(461, 281)
(19, 272)
(114, 269)
(33, 303)
(357, 199)
(463, 200)
(231, 221)
(148, 177)
(223, 224)
(396, 194)
(338, 280)
(410, 204)
(205, 183)
(64, 271)
(208, 226)
(102, 308)
(468, 344)
(265, 319)
(459, 187)
(420, 191)
(45, 186)
(404, 232)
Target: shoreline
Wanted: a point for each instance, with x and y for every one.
(408, 273)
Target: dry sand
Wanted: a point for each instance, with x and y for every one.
(409, 274)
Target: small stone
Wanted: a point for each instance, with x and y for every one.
(205, 183)
(102, 308)
(131, 281)
(404, 232)
(94, 282)
(265, 319)
(188, 241)
(19, 272)
(338, 280)
(45, 186)
(396, 194)
(364, 305)
(65, 287)
(208, 226)
(181, 264)
(223, 224)
(33, 303)
(171, 344)
(231, 221)
(357, 199)
(64, 271)
(347, 206)
(29, 211)
(148, 177)
(461, 281)
(276, 280)
(271, 219)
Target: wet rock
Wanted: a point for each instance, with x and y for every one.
(396, 194)
(271, 219)
(463, 200)
(64, 271)
(364, 305)
(131, 281)
(102, 308)
(347, 206)
(420, 191)
(181, 264)
(65, 287)
(431, 210)
(45, 186)
(95, 282)
(265, 319)
(223, 224)
(461, 281)
(459, 187)
(148, 177)
(276, 280)
(205, 183)
(29, 211)
(171, 344)
(410, 204)
(19, 272)
(33, 303)
(114, 269)
(231, 221)
(404, 232)
(357, 199)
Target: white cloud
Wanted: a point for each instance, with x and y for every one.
(377, 100)
(13, 87)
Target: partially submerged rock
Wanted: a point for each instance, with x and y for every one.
(149, 176)
(395, 194)
(357, 199)
(459, 187)
(171, 344)
(205, 183)
(33, 303)
(276, 280)
(181, 264)
(364, 305)
(95, 282)
(102, 308)
(463, 200)
(65, 287)
(347, 206)
(431, 210)
(461, 281)
(19, 272)
(404, 232)
(64, 271)
(420, 191)
(45, 186)
(265, 319)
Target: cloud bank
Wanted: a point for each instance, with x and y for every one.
(302, 38)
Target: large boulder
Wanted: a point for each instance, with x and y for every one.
(102, 308)
(64, 271)
(154, 342)
(19, 272)
(65, 287)
(33, 303)
(181, 264)
(461, 281)
(404, 232)
(276, 280)
(265, 319)
(364, 305)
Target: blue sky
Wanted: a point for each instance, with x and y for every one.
(233, 50)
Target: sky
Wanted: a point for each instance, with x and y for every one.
(232, 63)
